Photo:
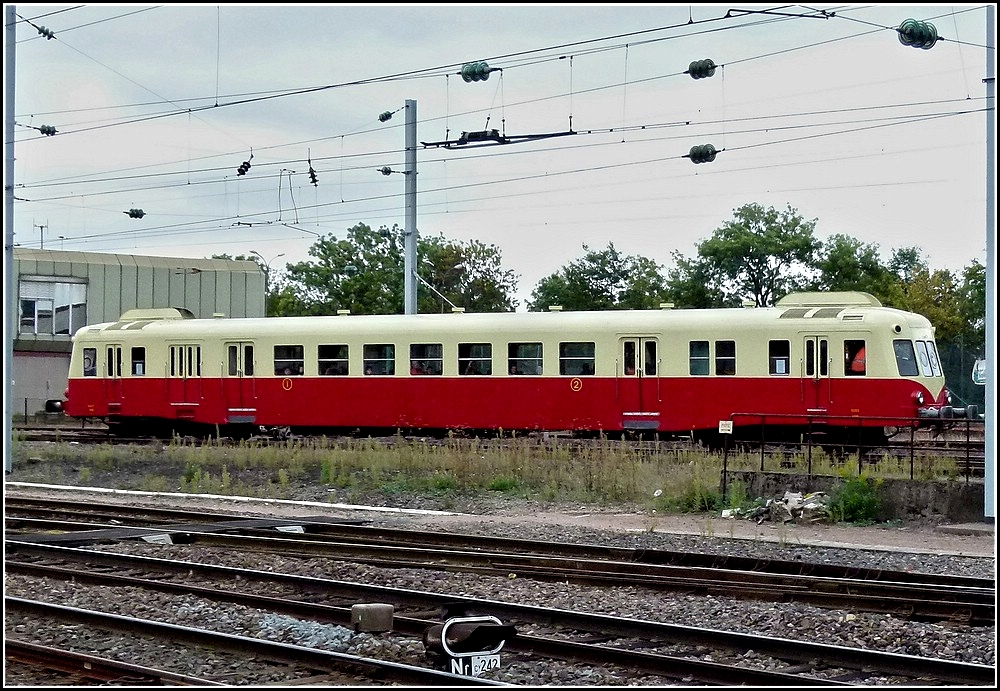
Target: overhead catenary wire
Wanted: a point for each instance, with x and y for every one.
(341, 159)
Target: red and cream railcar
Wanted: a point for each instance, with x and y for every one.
(841, 358)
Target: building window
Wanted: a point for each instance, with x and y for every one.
(52, 307)
(725, 358)
(698, 358)
(475, 358)
(778, 357)
(524, 358)
(576, 358)
(289, 360)
(332, 360)
(380, 359)
(426, 358)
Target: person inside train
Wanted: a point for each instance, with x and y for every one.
(857, 364)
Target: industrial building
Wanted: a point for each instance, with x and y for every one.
(57, 292)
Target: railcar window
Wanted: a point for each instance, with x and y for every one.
(933, 356)
(332, 360)
(90, 362)
(114, 361)
(380, 359)
(426, 358)
(924, 359)
(651, 359)
(289, 360)
(185, 361)
(817, 353)
(778, 357)
(906, 359)
(475, 358)
(855, 364)
(576, 358)
(725, 358)
(524, 358)
(698, 358)
(233, 360)
(628, 358)
(138, 361)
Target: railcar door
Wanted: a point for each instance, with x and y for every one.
(815, 373)
(184, 379)
(638, 383)
(239, 388)
(113, 378)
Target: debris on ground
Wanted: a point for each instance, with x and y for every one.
(793, 507)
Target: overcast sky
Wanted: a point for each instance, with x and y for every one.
(156, 107)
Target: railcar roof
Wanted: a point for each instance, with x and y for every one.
(625, 321)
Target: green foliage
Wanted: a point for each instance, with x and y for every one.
(506, 484)
(699, 498)
(845, 264)
(602, 280)
(762, 254)
(364, 273)
(691, 284)
(737, 496)
(856, 500)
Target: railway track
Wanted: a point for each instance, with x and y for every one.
(300, 585)
(905, 594)
(638, 645)
(247, 649)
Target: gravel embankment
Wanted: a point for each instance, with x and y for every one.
(948, 641)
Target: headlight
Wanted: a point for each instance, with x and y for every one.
(918, 398)
(947, 396)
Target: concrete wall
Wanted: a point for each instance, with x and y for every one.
(957, 501)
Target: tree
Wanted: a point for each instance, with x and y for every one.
(363, 273)
(761, 255)
(846, 263)
(690, 284)
(602, 280)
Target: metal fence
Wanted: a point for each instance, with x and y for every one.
(912, 442)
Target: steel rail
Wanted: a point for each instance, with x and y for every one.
(453, 605)
(313, 658)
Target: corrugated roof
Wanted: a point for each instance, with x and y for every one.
(202, 264)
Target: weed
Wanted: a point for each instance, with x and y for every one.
(856, 501)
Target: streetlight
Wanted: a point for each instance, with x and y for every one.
(267, 273)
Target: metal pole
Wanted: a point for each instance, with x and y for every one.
(410, 229)
(10, 312)
(991, 286)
